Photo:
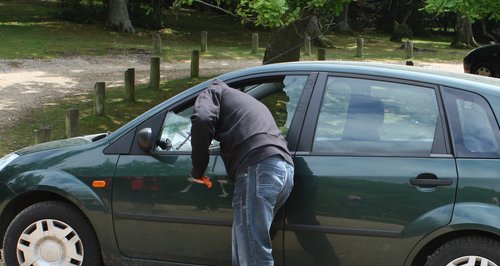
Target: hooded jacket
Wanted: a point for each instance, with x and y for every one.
(243, 125)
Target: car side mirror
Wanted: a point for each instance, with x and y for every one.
(145, 139)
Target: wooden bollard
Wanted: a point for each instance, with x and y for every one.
(360, 47)
(100, 97)
(156, 45)
(321, 54)
(72, 122)
(255, 43)
(195, 64)
(130, 84)
(307, 45)
(409, 49)
(154, 73)
(42, 134)
(204, 41)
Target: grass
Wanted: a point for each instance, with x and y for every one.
(36, 34)
(28, 30)
(118, 112)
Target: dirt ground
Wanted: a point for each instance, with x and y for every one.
(27, 83)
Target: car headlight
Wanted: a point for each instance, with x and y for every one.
(7, 159)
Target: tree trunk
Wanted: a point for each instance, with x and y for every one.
(464, 36)
(344, 24)
(314, 30)
(157, 22)
(284, 44)
(118, 16)
(485, 31)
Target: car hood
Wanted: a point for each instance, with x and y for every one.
(71, 142)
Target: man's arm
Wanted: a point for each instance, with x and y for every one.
(205, 115)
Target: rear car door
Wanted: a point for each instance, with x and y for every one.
(159, 213)
(374, 172)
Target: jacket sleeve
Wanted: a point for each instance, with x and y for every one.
(203, 120)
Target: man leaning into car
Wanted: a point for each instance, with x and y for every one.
(256, 158)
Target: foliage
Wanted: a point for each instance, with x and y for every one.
(280, 13)
(472, 9)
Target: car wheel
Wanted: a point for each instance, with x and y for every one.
(484, 69)
(466, 251)
(50, 233)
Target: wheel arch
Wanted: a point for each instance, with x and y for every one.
(482, 62)
(47, 185)
(21, 202)
(429, 247)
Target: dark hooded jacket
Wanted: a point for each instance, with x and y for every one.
(243, 125)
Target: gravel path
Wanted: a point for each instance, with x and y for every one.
(29, 82)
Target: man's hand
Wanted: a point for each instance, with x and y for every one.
(203, 180)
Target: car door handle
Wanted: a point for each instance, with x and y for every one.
(430, 180)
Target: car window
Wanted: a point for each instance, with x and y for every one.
(474, 128)
(376, 117)
(280, 95)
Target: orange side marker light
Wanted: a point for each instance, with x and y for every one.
(99, 183)
(204, 180)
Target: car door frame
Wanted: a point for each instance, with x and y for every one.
(155, 121)
(442, 146)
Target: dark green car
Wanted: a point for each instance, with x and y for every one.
(394, 166)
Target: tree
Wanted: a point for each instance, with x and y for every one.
(290, 22)
(118, 16)
(467, 12)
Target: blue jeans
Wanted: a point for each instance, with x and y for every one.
(259, 192)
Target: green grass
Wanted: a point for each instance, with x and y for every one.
(118, 113)
(377, 47)
(28, 30)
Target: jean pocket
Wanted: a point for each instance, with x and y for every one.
(270, 180)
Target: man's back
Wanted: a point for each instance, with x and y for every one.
(239, 122)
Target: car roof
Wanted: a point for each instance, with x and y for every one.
(459, 80)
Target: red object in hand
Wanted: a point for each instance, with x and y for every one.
(203, 180)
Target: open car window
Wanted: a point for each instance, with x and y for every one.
(280, 95)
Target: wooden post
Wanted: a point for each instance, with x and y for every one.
(154, 73)
(307, 45)
(42, 134)
(255, 43)
(321, 54)
(156, 45)
(360, 44)
(130, 84)
(99, 97)
(204, 41)
(195, 64)
(72, 122)
(409, 49)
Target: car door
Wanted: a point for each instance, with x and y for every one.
(374, 173)
(159, 213)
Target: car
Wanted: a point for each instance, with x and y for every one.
(484, 60)
(394, 165)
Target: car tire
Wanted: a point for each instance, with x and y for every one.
(470, 250)
(483, 69)
(51, 233)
